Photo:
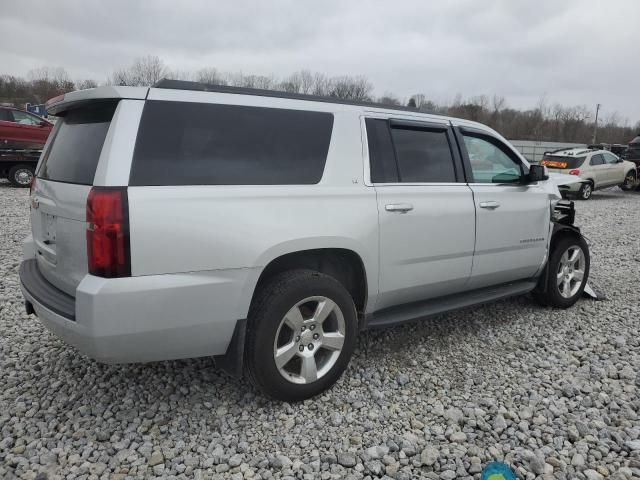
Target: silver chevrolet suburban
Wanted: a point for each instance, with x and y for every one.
(268, 229)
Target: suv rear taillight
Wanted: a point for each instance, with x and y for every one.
(575, 171)
(108, 252)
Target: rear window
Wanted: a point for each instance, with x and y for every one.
(78, 137)
(183, 143)
(560, 162)
(423, 155)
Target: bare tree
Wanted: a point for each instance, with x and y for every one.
(298, 82)
(292, 84)
(211, 76)
(419, 100)
(144, 71)
(498, 103)
(179, 75)
(542, 122)
(306, 81)
(321, 84)
(389, 99)
(48, 82)
(85, 84)
(350, 88)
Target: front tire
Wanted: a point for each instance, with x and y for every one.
(21, 175)
(301, 334)
(629, 181)
(585, 191)
(567, 272)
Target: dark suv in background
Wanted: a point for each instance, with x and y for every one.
(632, 154)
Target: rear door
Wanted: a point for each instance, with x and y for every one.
(425, 210)
(615, 168)
(58, 203)
(512, 219)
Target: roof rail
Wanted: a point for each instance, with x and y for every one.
(558, 150)
(205, 87)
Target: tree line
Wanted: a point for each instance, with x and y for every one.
(543, 122)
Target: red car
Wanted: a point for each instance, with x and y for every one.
(22, 130)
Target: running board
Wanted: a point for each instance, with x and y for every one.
(419, 310)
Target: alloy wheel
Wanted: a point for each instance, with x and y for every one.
(23, 176)
(629, 181)
(309, 340)
(570, 272)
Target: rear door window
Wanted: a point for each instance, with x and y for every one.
(596, 160)
(423, 155)
(182, 143)
(72, 156)
(382, 158)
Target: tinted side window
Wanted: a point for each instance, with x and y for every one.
(5, 115)
(423, 155)
(596, 160)
(610, 158)
(207, 144)
(491, 162)
(381, 156)
(74, 152)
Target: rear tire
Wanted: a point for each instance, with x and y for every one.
(566, 275)
(21, 175)
(629, 182)
(301, 333)
(585, 191)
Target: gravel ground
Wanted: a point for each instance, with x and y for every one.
(555, 394)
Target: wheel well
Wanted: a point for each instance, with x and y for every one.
(344, 265)
(560, 234)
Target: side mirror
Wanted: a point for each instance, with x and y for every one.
(42, 123)
(537, 173)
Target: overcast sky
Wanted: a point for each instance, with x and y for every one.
(570, 51)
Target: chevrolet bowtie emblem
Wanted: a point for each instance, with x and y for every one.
(35, 203)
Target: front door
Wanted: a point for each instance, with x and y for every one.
(512, 219)
(615, 169)
(425, 210)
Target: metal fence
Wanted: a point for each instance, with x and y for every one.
(534, 151)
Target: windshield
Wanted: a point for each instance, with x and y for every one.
(561, 162)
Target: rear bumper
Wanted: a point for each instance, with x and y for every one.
(141, 319)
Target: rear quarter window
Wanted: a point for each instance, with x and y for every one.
(78, 137)
(181, 143)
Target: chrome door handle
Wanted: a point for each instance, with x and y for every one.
(398, 207)
(491, 205)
